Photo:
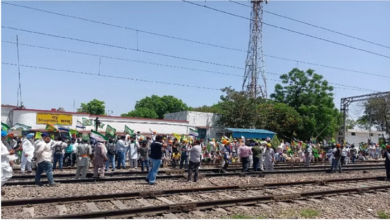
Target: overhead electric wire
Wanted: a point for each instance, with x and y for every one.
(158, 64)
(289, 30)
(110, 76)
(123, 48)
(315, 26)
(188, 40)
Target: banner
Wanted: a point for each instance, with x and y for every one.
(110, 130)
(86, 122)
(128, 130)
(80, 125)
(4, 127)
(38, 135)
(194, 132)
(97, 136)
(49, 118)
(101, 125)
(51, 128)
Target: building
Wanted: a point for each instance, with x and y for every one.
(179, 123)
(358, 136)
(206, 123)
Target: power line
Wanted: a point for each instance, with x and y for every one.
(316, 26)
(110, 76)
(158, 64)
(123, 48)
(289, 30)
(188, 40)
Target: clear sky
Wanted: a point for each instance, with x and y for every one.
(44, 89)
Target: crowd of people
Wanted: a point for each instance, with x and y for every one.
(157, 151)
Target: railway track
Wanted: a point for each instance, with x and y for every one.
(167, 202)
(166, 174)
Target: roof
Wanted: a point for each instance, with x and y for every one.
(256, 131)
(9, 106)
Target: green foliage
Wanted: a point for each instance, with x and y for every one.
(279, 118)
(312, 98)
(216, 108)
(237, 109)
(377, 111)
(94, 107)
(159, 105)
(382, 215)
(309, 213)
(141, 113)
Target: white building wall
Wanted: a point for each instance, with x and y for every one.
(5, 110)
(363, 136)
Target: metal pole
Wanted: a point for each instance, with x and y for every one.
(96, 123)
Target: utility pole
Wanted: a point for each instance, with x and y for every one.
(254, 65)
(19, 92)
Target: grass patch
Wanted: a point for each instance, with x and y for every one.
(309, 213)
(382, 215)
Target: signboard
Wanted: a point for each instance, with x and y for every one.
(61, 119)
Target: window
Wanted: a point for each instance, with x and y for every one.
(202, 133)
(353, 134)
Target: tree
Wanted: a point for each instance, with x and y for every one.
(350, 123)
(237, 109)
(141, 113)
(216, 108)
(312, 98)
(377, 113)
(279, 118)
(94, 107)
(162, 105)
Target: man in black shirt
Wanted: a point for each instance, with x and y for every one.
(156, 150)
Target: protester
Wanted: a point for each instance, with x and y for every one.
(262, 148)
(133, 153)
(99, 161)
(184, 155)
(336, 158)
(44, 154)
(195, 153)
(74, 147)
(84, 150)
(68, 154)
(386, 155)
(6, 169)
(308, 152)
(227, 155)
(269, 158)
(155, 158)
(58, 148)
(121, 149)
(256, 153)
(244, 152)
(27, 153)
(175, 159)
(111, 149)
(143, 152)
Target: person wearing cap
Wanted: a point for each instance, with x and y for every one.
(155, 157)
(336, 158)
(121, 149)
(133, 153)
(44, 154)
(6, 169)
(99, 160)
(256, 154)
(269, 158)
(227, 155)
(386, 155)
(27, 153)
(84, 150)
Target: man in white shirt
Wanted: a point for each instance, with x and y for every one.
(195, 153)
(44, 155)
(6, 169)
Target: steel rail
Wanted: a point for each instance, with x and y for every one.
(91, 180)
(148, 194)
(189, 206)
(60, 175)
(276, 165)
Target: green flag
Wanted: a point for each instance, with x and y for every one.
(110, 130)
(275, 141)
(101, 125)
(128, 130)
(4, 127)
(86, 122)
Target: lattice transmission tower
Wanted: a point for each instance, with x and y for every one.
(254, 65)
